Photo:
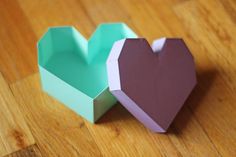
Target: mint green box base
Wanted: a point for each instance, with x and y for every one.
(90, 109)
(73, 70)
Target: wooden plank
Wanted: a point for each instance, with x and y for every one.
(57, 130)
(18, 42)
(31, 151)
(43, 14)
(118, 133)
(213, 30)
(215, 34)
(14, 132)
(230, 8)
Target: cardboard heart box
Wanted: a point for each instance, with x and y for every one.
(152, 83)
(73, 70)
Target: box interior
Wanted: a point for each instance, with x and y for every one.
(64, 52)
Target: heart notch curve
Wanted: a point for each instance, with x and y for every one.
(73, 70)
(151, 82)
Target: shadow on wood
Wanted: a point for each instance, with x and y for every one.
(116, 113)
(205, 80)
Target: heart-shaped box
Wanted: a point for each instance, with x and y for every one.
(73, 70)
(152, 83)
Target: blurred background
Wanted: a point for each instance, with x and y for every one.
(34, 124)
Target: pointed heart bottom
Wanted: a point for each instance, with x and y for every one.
(74, 71)
(152, 84)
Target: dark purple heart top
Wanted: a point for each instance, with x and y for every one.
(152, 83)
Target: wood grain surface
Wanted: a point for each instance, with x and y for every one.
(14, 132)
(206, 125)
(31, 151)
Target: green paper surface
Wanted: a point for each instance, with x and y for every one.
(73, 70)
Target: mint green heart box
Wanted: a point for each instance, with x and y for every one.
(73, 70)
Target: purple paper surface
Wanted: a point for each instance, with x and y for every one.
(152, 83)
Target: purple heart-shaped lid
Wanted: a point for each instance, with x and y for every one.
(151, 82)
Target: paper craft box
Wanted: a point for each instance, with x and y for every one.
(73, 70)
(152, 83)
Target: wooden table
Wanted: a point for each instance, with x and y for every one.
(34, 124)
